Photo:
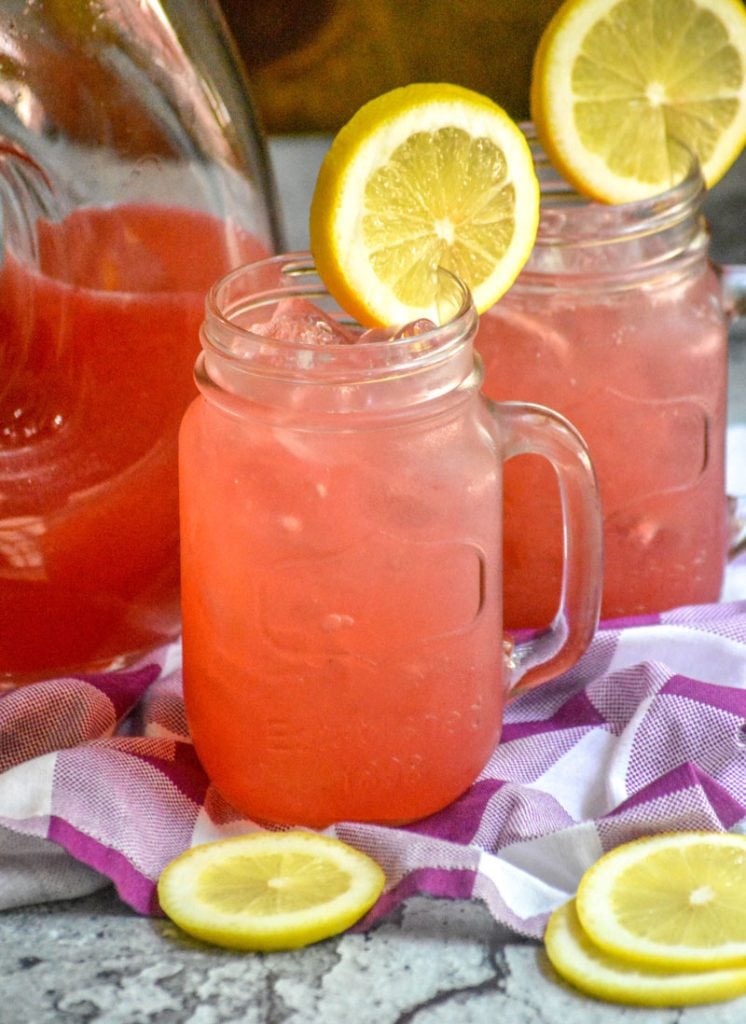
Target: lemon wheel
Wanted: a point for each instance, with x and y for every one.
(423, 177)
(269, 890)
(618, 85)
(675, 901)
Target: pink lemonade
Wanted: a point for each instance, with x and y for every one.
(616, 322)
(299, 658)
(96, 361)
(285, 597)
(341, 570)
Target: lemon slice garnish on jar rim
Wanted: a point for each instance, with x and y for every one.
(426, 176)
(619, 85)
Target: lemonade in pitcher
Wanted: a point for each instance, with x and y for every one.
(98, 347)
(132, 176)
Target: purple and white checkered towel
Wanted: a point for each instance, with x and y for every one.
(647, 733)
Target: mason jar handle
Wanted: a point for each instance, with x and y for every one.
(534, 429)
(733, 283)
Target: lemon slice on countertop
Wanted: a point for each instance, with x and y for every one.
(618, 84)
(426, 176)
(269, 890)
(591, 970)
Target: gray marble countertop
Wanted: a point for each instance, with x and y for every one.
(431, 962)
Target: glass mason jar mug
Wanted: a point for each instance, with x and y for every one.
(344, 655)
(617, 322)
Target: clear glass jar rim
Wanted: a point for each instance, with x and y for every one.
(584, 219)
(220, 331)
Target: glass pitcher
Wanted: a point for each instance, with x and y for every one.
(133, 174)
(343, 647)
(618, 322)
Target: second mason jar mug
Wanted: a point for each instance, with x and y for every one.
(344, 654)
(617, 321)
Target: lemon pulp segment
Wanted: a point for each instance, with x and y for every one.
(274, 883)
(443, 199)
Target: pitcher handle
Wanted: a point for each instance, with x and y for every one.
(27, 194)
(526, 428)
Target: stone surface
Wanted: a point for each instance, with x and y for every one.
(432, 962)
